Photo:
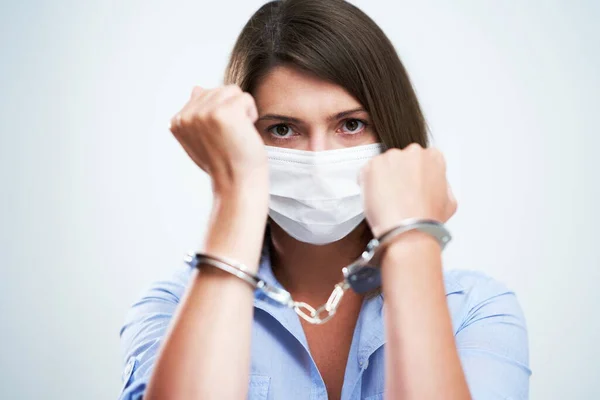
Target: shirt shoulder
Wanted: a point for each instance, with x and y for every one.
(472, 293)
(171, 286)
(144, 327)
(472, 282)
(491, 335)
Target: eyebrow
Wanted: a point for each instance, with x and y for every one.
(299, 121)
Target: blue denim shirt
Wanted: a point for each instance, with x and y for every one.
(488, 324)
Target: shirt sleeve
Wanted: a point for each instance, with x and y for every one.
(492, 343)
(145, 325)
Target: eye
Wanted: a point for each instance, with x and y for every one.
(280, 131)
(354, 125)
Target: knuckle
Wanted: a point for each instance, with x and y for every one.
(232, 87)
(173, 121)
(236, 99)
(202, 115)
(393, 152)
(196, 91)
(247, 96)
(241, 101)
(218, 115)
(185, 120)
(437, 153)
(212, 116)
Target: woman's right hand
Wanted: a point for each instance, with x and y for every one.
(216, 129)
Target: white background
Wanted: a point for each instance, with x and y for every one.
(98, 199)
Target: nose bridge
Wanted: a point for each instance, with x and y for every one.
(321, 139)
(317, 140)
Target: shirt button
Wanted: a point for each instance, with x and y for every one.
(128, 369)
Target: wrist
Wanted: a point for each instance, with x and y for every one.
(242, 200)
(411, 242)
(251, 184)
(237, 225)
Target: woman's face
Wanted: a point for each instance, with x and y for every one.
(302, 112)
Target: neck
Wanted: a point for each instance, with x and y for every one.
(309, 272)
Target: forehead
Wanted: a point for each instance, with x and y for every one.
(288, 89)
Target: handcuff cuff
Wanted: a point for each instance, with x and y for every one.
(362, 275)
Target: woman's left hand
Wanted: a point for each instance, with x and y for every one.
(407, 183)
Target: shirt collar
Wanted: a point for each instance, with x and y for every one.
(286, 316)
(370, 322)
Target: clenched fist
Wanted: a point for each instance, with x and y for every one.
(407, 183)
(216, 129)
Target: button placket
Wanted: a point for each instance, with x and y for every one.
(128, 372)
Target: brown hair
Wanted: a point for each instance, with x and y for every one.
(337, 42)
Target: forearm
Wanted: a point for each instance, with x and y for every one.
(421, 357)
(206, 352)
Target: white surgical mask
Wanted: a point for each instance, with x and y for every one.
(314, 195)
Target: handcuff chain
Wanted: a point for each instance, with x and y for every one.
(352, 273)
(330, 307)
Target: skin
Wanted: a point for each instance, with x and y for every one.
(305, 268)
(195, 362)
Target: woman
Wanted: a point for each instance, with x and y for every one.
(317, 83)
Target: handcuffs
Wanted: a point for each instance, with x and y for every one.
(362, 275)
